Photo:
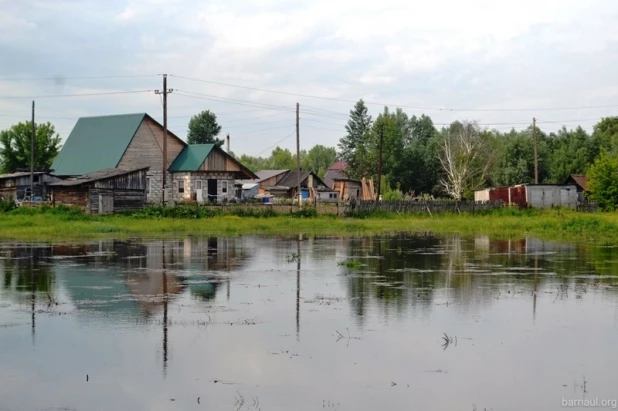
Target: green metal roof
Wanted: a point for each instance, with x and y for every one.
(191, 157)
(96, 143)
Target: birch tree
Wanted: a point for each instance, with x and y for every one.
(465, 159)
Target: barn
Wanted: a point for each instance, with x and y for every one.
(123, 141)
(103, 192)
(206, 173)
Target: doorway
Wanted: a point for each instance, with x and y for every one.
(212, 191)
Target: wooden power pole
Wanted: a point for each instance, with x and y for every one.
(299, 193)
(32, 139)
(536, 160)
(164, 93)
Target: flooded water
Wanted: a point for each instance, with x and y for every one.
(251, 323)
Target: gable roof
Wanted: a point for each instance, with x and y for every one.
(266, 174)
(193, 156)
(339, 166)
(291, 179)
(580, 180)
(98, 143)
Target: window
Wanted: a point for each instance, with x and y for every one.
(181, 186)
(198, 185)
(357, 193)
(147, 184)
(224, 187)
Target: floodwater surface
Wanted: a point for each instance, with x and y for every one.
(319, 323)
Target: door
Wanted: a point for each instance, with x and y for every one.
(212, 191)
(106, 203)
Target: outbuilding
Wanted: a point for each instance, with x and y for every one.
(16, 186)
(103, 192)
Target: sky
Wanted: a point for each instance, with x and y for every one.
(500, 63)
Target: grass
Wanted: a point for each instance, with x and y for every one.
(67, 224)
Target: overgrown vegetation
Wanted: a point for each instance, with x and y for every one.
(67, 223)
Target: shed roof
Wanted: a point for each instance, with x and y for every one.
(96, 143)
(191, 157)
(18, 174)
(96, 176)
(339, 166)
(579, 180)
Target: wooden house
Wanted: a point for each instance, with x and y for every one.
(103, 192)
(347, 188)
(287, 187)
(206, 173)
(16, 186)
(126, 142)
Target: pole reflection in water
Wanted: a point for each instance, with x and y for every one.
(300, 237)
(164, 313)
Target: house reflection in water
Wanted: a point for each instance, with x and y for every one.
(119, 281)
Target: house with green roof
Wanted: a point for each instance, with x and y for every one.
(206, 173)
(124, 141)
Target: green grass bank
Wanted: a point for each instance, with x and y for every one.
(66, 224)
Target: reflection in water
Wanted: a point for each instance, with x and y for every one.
(121, 304)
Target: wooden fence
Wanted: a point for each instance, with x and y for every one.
(423, 207)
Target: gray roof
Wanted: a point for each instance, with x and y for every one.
(332, 175)
(20, 174)
(266, 174)
(291, 179)
(98, 175)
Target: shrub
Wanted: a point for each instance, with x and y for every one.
(602, 181)
(7, 205)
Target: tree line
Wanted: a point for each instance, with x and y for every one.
(417, 157)
(458, 159)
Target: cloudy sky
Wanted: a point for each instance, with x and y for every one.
(498, 62)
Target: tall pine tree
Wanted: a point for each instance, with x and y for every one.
(352, 147)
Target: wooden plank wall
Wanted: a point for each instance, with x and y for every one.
(124, 200)
(215, 161)
(132, 181)
(146, 148)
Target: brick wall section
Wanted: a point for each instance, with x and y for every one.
(189, 182)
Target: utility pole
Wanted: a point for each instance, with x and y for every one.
(536, 160)
(299, 193)
(165, 92)
(227, 139)
(380, 164)
(32, 154)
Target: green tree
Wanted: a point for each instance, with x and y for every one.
(282, 159)
(204, 129)
(318, 159)
(515, 157)
(573, 152)
(15, 146)
(603, 181)
(606, 134)
(353, 146)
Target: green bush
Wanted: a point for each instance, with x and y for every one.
(306, 212)
(7, 205)
(602, 181)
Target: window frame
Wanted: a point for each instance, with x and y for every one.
(198, 184)
(224, 187)
(181, 186)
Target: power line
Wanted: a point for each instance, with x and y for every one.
(394, 105)
(277, 143)
(76, 95)
(61, 78)
(230, 101)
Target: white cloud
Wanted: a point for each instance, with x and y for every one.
(444, 53)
